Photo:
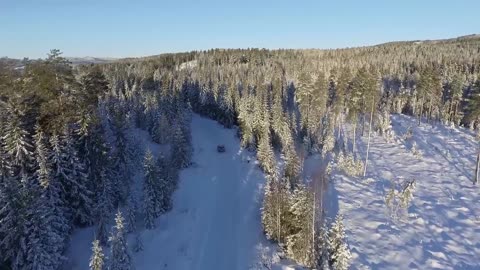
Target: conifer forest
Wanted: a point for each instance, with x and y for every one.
(356, 158)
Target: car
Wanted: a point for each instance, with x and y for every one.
(221, 148)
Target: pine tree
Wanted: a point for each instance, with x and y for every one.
(339, 253)
(299, 243)
(323, 248)
(11, 208)
(265, 153)
(120, 257)
(161, 132)
(151, 199)
(165, 185)
(181, 147)
(102, 212)
(49, 227)
(18, 142)
(131, 212)
(275, 210)
(19, 183)
(75, 181)
(292, 166)
(457, 84)
(97, 260)
(474, 117)
(268, 210)
(303, 97)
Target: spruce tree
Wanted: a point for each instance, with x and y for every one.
(131, 214)
(339, 252)
(49, 226)
(474, 117)
(102, 212)
(75, 181)
(292, 166)
(265, 153)
(120, 257)
(151, 199)
(299, 243)
(181, 147)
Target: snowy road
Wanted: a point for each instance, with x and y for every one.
(215, 220)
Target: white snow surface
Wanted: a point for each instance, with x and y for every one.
(215, 222)
(442, 229)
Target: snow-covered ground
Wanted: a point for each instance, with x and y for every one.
(215, 221)
(442, 229)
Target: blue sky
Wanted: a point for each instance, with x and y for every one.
(117, 28)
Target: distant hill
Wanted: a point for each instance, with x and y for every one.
(90, 60)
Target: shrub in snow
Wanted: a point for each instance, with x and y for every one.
(328, 144)
(384, 126)
(408, 134)
(415, 151)
(349, 165)
(264, 260)
(399, 197)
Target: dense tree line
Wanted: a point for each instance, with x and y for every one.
(68, 157)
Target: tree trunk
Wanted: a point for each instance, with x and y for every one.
(369, 137)
(421, 112)
(363, 124)
(354, 140)
(313, 225)
(477, 169)
(279, 201)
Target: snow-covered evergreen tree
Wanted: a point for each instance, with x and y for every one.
(165, 184)
(300, 245)
(131, 212)
(181, 147)
(268, 214)
(18, 142)
(48, 227)
(339, 252)
(19, 184)
(103, 211)
(97, 260)
(151, 199)
(292, 165)
(161, 129)
(323, 248)
(123, 158)
(265, 153)
(120, 257)
(75, 179)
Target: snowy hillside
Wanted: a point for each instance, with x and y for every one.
(442, 229)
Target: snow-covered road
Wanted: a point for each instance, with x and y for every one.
(215, 221)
